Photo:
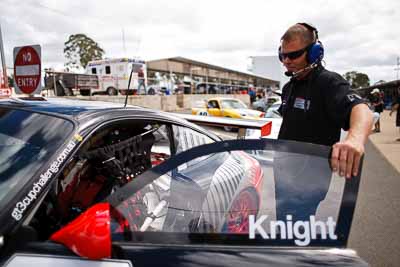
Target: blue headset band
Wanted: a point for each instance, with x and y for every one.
(311, 29)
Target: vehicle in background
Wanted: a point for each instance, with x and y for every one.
(227, 107)
(68, 83)
(262, 104)
(272, 111)
(114, 75)
(157, 90)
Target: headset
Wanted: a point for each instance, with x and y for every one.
(315, 50)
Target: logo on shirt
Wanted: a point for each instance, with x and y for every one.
(301, 103)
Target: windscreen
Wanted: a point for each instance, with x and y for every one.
(239, 192)
(234, 104)
(27, 141)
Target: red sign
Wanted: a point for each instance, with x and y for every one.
(27, 69)
(5, 92)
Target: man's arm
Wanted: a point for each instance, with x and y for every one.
(346, 155)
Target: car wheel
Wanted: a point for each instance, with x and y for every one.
(112, 91)
(244, 205)
(151, 91)
(85, 92)
(228, 128)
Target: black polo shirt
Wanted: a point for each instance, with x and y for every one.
(316, 108)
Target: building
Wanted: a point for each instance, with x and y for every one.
(268, 66)
(199, 77)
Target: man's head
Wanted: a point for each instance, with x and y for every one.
(295, 46)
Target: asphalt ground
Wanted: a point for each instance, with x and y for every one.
(375, 231)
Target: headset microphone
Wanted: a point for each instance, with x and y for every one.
(289, 73)
(297, 73)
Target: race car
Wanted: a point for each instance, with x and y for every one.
(227, 107)
(94, 183)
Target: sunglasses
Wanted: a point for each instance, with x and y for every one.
(294, 54)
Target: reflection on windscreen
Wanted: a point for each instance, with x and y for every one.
(27, 141)
(232, 104)
(264, 195)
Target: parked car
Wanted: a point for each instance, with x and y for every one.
(272, 111)
(156, 90)
(262, 104)
(227, 107)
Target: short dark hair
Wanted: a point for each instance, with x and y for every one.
(299, 31)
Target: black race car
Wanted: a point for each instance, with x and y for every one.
(94, 183)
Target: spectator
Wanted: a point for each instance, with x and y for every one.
(252, 95)
(377, 103)
(396, 107)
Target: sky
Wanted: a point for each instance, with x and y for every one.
(361, 36)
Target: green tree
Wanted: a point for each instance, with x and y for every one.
(10, 81)
(79, 49)
(357, 79)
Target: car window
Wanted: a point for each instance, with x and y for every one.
(186, 139)
(213, 104)
(27, 142)
(234, 104)
(245, 192)
(109, 158)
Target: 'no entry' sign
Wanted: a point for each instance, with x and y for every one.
(27, 69)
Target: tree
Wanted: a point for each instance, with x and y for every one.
(10, 81)
(357, 79)
(79, 49)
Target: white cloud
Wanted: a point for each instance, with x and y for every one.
(360, 35)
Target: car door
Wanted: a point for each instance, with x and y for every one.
(251, 193)
(223, 203)
(214, 108)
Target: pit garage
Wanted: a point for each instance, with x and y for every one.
(194, 77)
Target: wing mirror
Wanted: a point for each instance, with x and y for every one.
(88, 235)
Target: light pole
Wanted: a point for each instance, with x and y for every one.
(3, 63)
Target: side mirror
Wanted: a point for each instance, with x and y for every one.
(88, 235)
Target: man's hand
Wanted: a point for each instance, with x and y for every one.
(346, 156)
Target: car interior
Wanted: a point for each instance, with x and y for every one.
(110, 158)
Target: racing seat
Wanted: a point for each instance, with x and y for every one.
(102, 169)
(123, 160)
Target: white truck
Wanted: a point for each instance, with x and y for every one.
(114, 75)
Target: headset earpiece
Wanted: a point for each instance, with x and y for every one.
(315, 53)
(280, 54)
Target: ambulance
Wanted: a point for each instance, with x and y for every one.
(114, 75)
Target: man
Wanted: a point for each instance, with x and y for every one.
(316, 105)
(396, 107)
(377, 103)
